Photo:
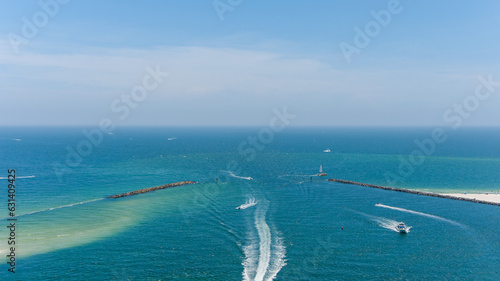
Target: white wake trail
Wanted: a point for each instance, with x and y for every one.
(249, 203)
(11, 139)
(25, 177)
(387, 223)
(420, 214)
(278, 255)
(265, 242)
(238, 177)
(265, 256)
(60, 207)
(381, 221)
(251, 257)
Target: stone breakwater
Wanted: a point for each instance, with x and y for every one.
(415, 192)
(150, 189)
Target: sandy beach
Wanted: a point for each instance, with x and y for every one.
(489, 197)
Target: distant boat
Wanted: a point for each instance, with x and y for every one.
(327, 150)
(321, 173)
(402, 228)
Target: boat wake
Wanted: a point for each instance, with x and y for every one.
(265, 255)
(420, 214)
(11, 139)
(249, 203)
(231, 174)
(25, 177)
(55, 208)
(390, 224)
(294, 175)
(382, 222)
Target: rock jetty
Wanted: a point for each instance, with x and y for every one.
(415, 192)
(146, 190)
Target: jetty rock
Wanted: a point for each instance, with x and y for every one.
(150, 189)
(415, 192)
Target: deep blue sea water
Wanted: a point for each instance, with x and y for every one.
(302, 227)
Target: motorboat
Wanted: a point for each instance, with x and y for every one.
(402, 228)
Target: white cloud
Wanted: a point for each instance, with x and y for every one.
(225, 86)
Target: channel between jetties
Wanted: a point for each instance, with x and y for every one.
(416, 192)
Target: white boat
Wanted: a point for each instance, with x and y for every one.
(321, 173)
(402, 228)
(327, 150)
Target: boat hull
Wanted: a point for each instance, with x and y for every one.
(402, 228)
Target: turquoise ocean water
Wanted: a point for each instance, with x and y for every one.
(300, 229)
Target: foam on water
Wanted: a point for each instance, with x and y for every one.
(389, 224)
(10, 139)
(25, 177)
(251, 252)
(278, 254)
(421, 214)
(265, 242)
(381, 221)
(231, 174)
(249, 203)
(60, 207)
(265, 256)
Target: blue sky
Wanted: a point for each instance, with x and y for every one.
(417, 66)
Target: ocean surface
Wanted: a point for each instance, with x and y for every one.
(292, 225)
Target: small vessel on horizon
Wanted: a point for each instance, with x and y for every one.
(321, 173)
(327, 150)
(402, 228)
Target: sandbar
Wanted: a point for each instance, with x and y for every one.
(488, 197)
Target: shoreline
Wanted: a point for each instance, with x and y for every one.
(494, 199)
(488, 197)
